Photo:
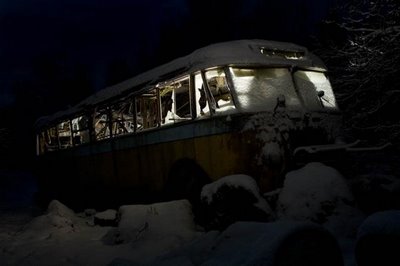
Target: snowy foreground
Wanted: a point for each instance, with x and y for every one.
(315, 205)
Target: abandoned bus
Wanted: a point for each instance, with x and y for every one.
(236, 107)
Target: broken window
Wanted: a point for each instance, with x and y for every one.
(166, 97)
(41, 142)
(64, 134)
(147, 110)
(51, 139)
(80, 130)
(221, 97)
(122, 117)
(48, 140)
(202, 107)
(182, 99)
(175, 101)
(101, 123)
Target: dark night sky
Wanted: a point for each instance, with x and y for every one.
(95, 35)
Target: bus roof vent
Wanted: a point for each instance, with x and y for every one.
(287, 54)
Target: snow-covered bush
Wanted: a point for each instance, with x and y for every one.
(233, 198)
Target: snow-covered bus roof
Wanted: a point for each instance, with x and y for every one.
(239, 53)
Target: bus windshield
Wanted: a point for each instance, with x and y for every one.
(316, 89)
(257, 89)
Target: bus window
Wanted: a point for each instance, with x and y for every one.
(219, 90)
(315, 89)
(122, 117)
(147, 110)
(42, 142)
(166, 104)
(175, 101)
(101, 123)
(202, 107)
(80, 130)
(258, 89)
(64, 134)
(51, 139)
(182, 99)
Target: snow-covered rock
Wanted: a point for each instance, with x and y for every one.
(59, 219)
(157, 220)
(106, 218)
(313, 193)
(233, 198)
(155, 228)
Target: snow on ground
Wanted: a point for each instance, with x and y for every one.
(61, 237)
(314, 198)
(255, 243)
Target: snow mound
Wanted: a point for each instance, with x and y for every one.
(313, 192)
(57, 208)
(58, 220)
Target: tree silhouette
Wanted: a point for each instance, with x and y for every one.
(360, 43)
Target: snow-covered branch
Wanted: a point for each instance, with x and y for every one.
(363, 58)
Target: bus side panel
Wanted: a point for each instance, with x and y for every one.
(146, 168)
(223, 154)
(84, 173)
(140, 173)
(104, 169)
(128, 167)
(149, 165)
